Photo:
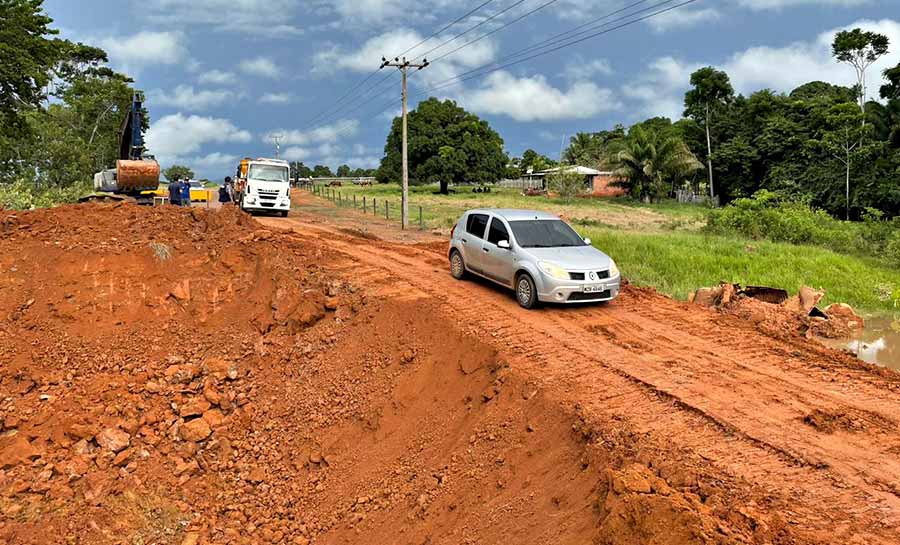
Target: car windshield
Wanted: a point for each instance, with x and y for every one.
(545, 234)
(268, 173)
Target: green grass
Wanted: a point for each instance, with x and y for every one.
(677, 263)
(442, 211)
(660, 245)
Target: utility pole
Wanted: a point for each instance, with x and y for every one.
(277, 139)
(404, 65)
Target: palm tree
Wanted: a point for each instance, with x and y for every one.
(649, 163)
(582, 150)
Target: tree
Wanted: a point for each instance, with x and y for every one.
(343, 171)
(650, 163)
(891, 89)
(711, 91)
(566, 181)
(27, 56)
(447, 144)
(178, 172)
(843, 138)
(860, 50)
(322, 171)
(535, 161)
(299, 170)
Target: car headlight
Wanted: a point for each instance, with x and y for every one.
(554, 271)
(613, 269)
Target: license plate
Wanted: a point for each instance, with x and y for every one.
(595, 288)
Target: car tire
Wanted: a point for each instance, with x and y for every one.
(284, 213)
(457, 265)
(526, 291)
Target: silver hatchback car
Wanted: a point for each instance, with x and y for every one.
(535, 253)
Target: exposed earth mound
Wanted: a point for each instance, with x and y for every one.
(186, 377)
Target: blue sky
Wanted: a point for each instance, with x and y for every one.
(223, 76)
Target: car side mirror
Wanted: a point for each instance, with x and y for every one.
(587, 241)
(503, 244)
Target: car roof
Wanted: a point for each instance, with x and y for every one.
(515, 214)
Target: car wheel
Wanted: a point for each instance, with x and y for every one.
(457, 265)
(526, 292)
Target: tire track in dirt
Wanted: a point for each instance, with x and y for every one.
(727, 398)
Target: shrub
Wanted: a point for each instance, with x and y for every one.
(23, 195)
(767, 216)
(568, 183)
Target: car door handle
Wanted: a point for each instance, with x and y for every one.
(464, 241)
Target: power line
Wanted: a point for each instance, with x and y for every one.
(558, 44)
(335, 107)
(496, 30)
(554, 46)
(458, 19)
(460, 35)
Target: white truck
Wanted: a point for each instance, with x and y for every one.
(264, 185)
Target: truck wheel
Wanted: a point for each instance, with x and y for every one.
(284, 213)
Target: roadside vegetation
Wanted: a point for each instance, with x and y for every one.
(60, 110)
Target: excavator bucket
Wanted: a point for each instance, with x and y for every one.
(141, 175)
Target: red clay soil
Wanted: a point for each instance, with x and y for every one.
(174, 376)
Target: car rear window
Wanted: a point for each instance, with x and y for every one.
(476, 224)
(545, 234)
(498, 232)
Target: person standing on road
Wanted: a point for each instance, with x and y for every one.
(175, 192)
(186, 192)
(225, 191)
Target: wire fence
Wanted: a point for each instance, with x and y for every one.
(377, 207)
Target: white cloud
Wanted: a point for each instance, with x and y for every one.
(260, 66)
(264, 18)
(218, 77)
(175, 136)
(133, 52)
(368, 56)
(343, 129)
(276, 98)
(802, 62)
(683, 18)
(779, 4)
(534, 99)
(214, 161)
(660, 90)
(184, 97)
(580, 69)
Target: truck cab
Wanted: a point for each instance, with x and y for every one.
(264, 186)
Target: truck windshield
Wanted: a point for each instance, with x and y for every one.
(268, 173)
(545, 234)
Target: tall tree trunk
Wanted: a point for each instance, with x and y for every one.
(848, 183)
(712, 192)
(444, 188)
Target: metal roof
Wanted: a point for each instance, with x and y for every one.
(580, 170)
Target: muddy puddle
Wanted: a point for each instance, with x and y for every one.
(879, 343)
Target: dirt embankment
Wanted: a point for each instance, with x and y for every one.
(182, 377)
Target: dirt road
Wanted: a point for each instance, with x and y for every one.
(785, 437)
(196, 377)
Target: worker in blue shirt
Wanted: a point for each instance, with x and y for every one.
(175, 192)
(185, 193)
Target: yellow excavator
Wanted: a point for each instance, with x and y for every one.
(135, 172)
